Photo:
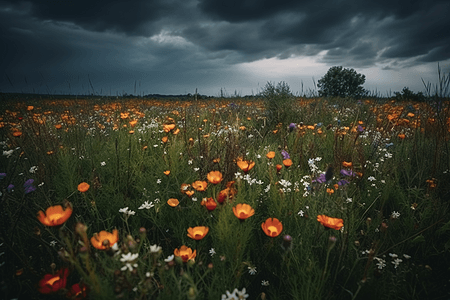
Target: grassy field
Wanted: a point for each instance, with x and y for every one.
(214, 199)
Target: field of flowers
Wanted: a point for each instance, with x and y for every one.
(211, 199)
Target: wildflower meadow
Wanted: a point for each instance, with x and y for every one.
(136, 198)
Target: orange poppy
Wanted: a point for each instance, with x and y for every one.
(168, 127)
(167, 172)
(287, 162)
(184, 187)
(329, 222)
(104, 240)
(173, 202)
(52, 283)
(189, 193)
(200, 185)
(229, 192)
(402, 136)
(431, 183)
(347, 164)
(330, 191)
(245, 165)
(17, 133)
(58, 126)
(176, 131)
(133, 123)
(214, 177)
(30, 107)
(210, 203)
(198, 232)
(55, 215)
(272, 227)
(270, 155)
(164, 139)
(83, 187)
(279, 167)
(185, 253)
(243, 211)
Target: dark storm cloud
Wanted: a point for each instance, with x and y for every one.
(187, 40)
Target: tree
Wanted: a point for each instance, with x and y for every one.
(340, 82)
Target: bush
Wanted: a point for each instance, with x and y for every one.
(408, 95)
(340, 82)
(279, 100)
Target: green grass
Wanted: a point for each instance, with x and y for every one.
(409, 176)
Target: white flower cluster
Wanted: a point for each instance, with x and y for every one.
(146, 205)
(127, 211)
(285, 185)
(128, 259)
(235, 295)
(312, 164)
(247, 178)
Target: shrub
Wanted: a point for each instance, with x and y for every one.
(279, 100)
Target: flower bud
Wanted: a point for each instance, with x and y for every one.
(192, 293)
(287, 241)
(331, 242)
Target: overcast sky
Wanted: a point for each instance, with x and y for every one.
(176, 46)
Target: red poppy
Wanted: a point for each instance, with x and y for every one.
(52, 283)
(77, 291)
(209, 203)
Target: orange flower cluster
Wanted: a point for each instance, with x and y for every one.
(229, 192)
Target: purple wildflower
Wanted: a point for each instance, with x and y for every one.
(360, 129)
(292, 126)
(285, 154)
(320, 179)
(29, 187)
(2, 175)
(347, 172)
(10, 187)
(342, 182)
